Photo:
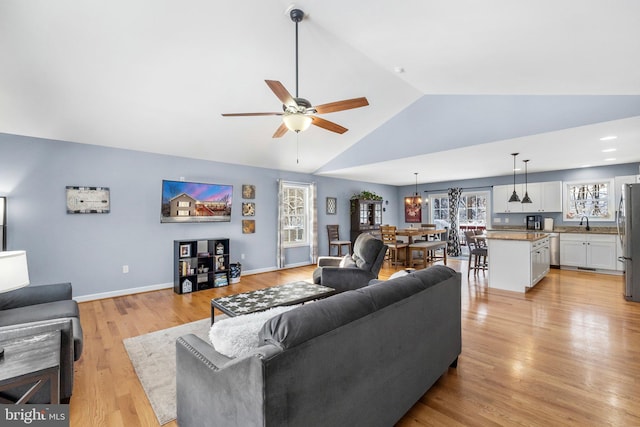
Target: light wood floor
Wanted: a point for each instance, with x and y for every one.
(566, 353)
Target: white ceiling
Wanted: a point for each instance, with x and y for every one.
(155, 75)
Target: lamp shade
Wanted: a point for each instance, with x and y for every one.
(14, 273)
(297, 122)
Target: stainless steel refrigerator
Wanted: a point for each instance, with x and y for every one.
(628, 221)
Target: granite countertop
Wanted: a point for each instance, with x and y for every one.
(560, 229)
(506, 235)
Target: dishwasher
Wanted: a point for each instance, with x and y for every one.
(554, 249)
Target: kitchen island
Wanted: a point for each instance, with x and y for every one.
(517, 261)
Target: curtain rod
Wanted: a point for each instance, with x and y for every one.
(463, 188)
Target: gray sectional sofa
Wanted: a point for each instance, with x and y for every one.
(362, 357)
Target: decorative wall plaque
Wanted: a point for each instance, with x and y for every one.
(81, 200)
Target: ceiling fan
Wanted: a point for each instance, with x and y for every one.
(298, 113)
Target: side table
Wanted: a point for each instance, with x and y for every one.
(32, 359)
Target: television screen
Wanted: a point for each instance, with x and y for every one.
(195, 202)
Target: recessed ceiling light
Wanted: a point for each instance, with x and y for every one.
(608, 138)
(398, 70)
(608, 150)
(610, 159)
(517, 169)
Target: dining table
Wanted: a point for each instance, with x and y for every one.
(418, 232)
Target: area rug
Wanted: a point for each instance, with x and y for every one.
(153, 356)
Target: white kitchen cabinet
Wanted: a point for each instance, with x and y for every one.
(545, 197)
(589, 251)
(501, 195)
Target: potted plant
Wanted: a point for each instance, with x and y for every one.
(366, 195)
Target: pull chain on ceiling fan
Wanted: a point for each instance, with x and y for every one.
(298, 113)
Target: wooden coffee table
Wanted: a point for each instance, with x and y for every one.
(275, 296)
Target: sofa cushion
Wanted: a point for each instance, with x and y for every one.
(237, 336)
(308, 321)
(386, 293)
(347, 262)
(311, 320)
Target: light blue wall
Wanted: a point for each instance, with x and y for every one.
(486, 184)
(90, 250)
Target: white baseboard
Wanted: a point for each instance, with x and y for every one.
(122, 292)
(131, 291)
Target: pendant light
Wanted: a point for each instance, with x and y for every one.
(526, 198)
(514, 197)
(417, 201)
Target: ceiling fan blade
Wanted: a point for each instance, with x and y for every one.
(250, 114)
(347, 104)
(326, 124)
(282, 129)
(281, 92)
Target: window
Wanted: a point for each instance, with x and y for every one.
(296, 214)
(592, 199)
(472, 209)
(184, 204)
(440, 207)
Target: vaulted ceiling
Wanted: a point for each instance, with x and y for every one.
(464, 80)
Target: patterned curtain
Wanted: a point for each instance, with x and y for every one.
(280, 246)
(453, 246)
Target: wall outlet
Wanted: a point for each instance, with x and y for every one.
(497, 220)
(241, 256)
(125, 269)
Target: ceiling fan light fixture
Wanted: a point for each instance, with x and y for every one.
(297, 122)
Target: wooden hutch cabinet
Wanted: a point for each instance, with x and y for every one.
(366, 217)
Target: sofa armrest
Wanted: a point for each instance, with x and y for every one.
(212, 389)
(35, 294)
(329, 261)
(345, 279)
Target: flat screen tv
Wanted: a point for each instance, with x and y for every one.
(195, 202)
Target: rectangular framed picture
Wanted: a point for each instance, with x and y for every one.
(185, 251)
(332, 205)
(88, 200)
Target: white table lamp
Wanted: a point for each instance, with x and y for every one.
(14, 273)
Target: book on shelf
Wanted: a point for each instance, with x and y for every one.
(220, 280)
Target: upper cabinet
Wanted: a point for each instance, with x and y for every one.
(501, 195)
(545, 197)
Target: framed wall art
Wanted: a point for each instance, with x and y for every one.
(332, 205)
(86, 200)
(248, 226)
(248, 191)
(248, 209)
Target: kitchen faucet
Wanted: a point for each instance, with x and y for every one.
(587, 218)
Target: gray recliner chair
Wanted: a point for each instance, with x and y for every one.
(39, 304)
(352, 272)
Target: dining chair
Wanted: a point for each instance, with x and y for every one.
(334, 239)
(478, 253)
(390, 239)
